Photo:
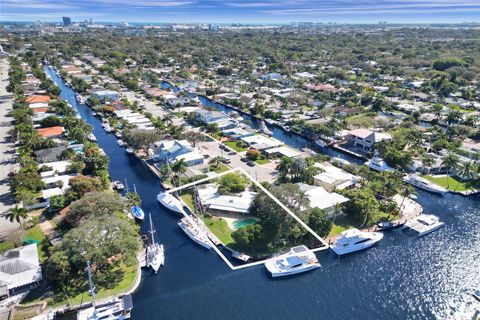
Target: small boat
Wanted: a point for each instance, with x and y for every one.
(114, 309)
(80, 99)
(129, 150)
(264, 129)
(155, 252)
(240, 256)
(118, 134)
(91, 137)
(118, 185)
(193, 231)
(378, 164)
(424, 184)
(170, 202)
(424, 224)
(120, 143)
(355, 240)
(320, 143)
(388, 225)
(299, 259)
(138, 213)
(108, 128)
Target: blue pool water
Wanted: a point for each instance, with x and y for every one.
(403, 277)
(244, 222)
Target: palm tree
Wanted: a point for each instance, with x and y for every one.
(17, 214)
(450, 161)
(285, 166)
(466, 171)
(216, 161)
(179, 166)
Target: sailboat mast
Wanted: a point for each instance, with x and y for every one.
(151, 228)
(90, 283)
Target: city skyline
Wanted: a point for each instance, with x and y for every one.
(250, 11)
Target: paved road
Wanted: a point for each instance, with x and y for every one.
(259, 173)
(6, 153)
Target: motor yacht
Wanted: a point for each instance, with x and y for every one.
(91, 137)
(155, 252)
(422, 183)
(170, 202)
(353, 240)
(320, 143)
(193, 231)
(424, 224)
(377, 163)
(129, 150)
(299, 259)
(120, 143)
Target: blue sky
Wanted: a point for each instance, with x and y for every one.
(252, 11)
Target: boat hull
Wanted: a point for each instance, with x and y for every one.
(204, 243)
(170, 202)
(339, 250)
(276, 274)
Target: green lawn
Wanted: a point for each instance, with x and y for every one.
(361, 120)
(36, 233)
(59, 299)
(219, 227)
(188, 199)
(221, 168)
(343, 223)
(233, 145)
(453, 183)
(262, 161)
(6, 245)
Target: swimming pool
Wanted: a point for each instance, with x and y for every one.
(244, 222)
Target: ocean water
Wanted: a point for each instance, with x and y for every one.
(403, 277)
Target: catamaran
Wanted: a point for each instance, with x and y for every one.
(424, 184)
(115, 309)
(194, 232)
(355, 240)
(170, 202)
(155, 252)
(424, 224)
(299, 259)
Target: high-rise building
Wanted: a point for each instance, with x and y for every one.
(67, 21)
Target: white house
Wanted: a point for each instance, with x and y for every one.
(19, 268)
(321, 198)
(212, 201)
(365, 138)
(332, 178)
(106, 95)
(173, 150)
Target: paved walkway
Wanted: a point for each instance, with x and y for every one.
(6, 153)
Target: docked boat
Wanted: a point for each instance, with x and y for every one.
(424, 224)
(120, 143)
(115, 309)
(378, 164)
(118, 134)
(108, 128)
(91, 137)
(129, 150)
(155, 252)
(170, 202)
(422, 183)
(80, 99)
(353, 240)
(193, 231)
(388, 225)
(137, 213)
(320, 143)
(118, 185)
(299, 259)
(264, 129)
(240, 256)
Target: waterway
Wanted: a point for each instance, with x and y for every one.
(403, 277)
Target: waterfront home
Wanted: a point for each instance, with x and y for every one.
(282, 151)
(237, 133)
(332, 178)
(174, 150)
(51, 132)
(19, 269)
(366, 138)
(37, 99)
(209, 116)
(261, 142)
(49, 154)
(321, 198)
(106, 95)
(215, 203)
(53, 168)
(178, 101)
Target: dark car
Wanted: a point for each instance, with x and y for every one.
(250, 163)
(244, 159)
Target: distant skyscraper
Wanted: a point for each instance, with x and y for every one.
(67, 21)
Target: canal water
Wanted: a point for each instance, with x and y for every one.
(403, 277)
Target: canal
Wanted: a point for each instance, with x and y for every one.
(403, 277)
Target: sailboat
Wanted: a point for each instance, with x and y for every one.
(137, 212)
(155, 252)
(115, 309)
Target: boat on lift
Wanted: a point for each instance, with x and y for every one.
(155, 252)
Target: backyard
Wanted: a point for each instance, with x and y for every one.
(453, 183)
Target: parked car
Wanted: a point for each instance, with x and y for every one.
(250, 163)
(244, 159)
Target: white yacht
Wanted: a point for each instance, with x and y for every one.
(193, 231)
(170, 202)
(120, 143)
(91, 137)
(115, 309)
(353, 240)
(424, 184)
(155, 252)
(424, 224)
(377, 163)
(80, 99)
(320, 143)
(264, 129)
(129, 150)
(299, 259)
(118, 185)
(108, 128)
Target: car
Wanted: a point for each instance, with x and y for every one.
(244, 159)
(250, 163)
(226, 160)
(231, 153)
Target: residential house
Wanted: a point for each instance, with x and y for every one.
(37, 99)
(332, 178)
(174, 150)
(106, 95)
(321, 198)
(50, 154)
(215, 203)
(51, 131)
(365, 138)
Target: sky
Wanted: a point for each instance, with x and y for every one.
(243, 11)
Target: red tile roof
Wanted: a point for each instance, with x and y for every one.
(37, 99)
(50, 132)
